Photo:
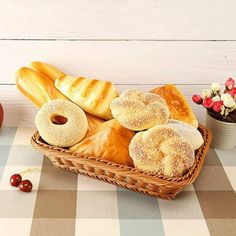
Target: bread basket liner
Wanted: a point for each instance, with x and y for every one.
(124, 176)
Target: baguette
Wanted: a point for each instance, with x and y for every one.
(37, 87)
(47, 70)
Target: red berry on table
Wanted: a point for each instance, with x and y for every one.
(229, 83)
(208, 102)
(25, 186)
(15, 180)
(197, 99)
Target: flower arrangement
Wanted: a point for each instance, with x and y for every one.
(220, 104)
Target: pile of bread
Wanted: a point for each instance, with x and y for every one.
(152, 131)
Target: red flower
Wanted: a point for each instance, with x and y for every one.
(229, 83)
(217, 106)
(197, 99)
(232, 92)
(208, 102)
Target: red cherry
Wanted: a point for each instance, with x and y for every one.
(25, 186)
(197, 99)
(15, 180)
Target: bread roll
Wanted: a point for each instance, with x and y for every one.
(93, 96)
(137, 110)
(177, 103)
(161, 150)
(108, 141)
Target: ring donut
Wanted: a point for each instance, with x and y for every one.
(61, 123)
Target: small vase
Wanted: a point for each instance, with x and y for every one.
(223, 133)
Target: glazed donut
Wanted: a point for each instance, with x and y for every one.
(188, 133)
(161, 150)
(61, 123)
(137, 110)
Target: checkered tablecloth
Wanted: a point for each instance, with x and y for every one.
(64, 203)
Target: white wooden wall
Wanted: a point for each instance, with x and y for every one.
(133, 43)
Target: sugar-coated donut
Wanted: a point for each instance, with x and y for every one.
(61, 123)
(161, 150)
(190, 134)
(137, 110)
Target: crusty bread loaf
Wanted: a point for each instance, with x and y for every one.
(108, 141)
(161, 150)
(177, 103)
(37, 87)
(93, 96)
(47, 70)
(137, 110)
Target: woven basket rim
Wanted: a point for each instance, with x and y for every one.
(39, 143)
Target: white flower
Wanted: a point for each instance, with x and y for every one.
(215, 87)
(222, 110)
(225, 96)
(229, 102)
(206, 93)
(216, 98)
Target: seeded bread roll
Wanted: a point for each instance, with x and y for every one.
(137, 110)
(161, 150)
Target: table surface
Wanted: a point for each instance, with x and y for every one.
(64, 203)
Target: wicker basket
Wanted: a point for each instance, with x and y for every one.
(124, 176)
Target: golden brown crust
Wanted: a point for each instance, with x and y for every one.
(47, 70)
(161, 150)
(177, 103)
(93, 96)
(37, 87)
(108, 141)
(93, 121)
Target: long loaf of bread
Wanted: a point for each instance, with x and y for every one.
(47, 70)
(37, 87)
(93, 96)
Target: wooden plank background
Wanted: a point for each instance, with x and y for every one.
(135, 44)
(118, 19)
